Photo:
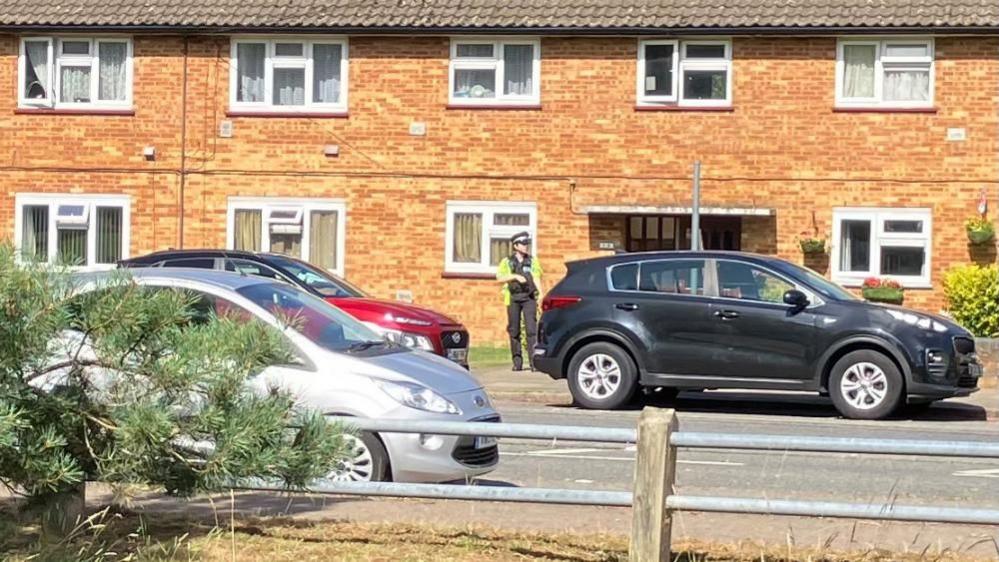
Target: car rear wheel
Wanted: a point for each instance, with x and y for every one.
(602, 376)
(365, 460)
(866, 385)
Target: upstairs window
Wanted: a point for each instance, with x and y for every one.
(686, 73)
(288, 75)
(884, 73)
(75, 72)
(489, 72)
(308, 229)
(73, 230)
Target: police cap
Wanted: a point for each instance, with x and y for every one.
(521, 238)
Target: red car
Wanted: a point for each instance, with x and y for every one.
(407, 324)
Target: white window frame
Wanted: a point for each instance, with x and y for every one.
(306, 204)
(57, 61)
(879, 239)
(883, 62)
(488, 209)
(90, 202)
(681, 64)
(272, 61)
(495, 63)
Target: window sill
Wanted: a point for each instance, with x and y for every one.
(875, 109)
(855, 284)
(467, 275)
(694, 108)
(95, 111)
(288, 114)
(496, 106)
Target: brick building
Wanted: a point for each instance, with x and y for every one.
(400, 145)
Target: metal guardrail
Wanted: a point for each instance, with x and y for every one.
(652, 500)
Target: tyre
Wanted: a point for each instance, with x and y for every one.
(365, 460)
(602, 376)
(866, 385)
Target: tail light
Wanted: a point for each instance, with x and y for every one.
(551, 303)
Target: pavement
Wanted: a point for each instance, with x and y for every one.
(536, 387)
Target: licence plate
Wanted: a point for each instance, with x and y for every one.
(483, 442)
(975, 369)
(458, 355)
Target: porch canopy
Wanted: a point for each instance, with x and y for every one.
(676, 210)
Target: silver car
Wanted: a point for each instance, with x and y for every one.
(345, 368)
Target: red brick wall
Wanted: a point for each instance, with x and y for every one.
(782, 147)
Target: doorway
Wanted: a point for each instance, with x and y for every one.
(649, 233)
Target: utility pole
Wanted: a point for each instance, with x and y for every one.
(695, 212)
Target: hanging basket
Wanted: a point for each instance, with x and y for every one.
(812, 246)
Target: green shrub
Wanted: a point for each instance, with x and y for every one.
(973, 298)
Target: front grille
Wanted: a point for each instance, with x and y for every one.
(964, 345)
(454, 339)
(467, 454)
(967, 381)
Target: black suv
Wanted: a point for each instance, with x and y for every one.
(708, 320)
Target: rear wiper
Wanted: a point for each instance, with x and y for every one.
(362, 345)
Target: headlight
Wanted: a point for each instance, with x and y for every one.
(917, 320)
(404, 320)
(419, 397)
(415, 341)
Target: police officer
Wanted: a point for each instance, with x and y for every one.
(520, 274)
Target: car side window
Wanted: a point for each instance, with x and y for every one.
(737, 280)
(252, 268)
(197, 263)
(625, 277)
(681, 277)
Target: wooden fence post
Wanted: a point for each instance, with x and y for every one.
(655, 471)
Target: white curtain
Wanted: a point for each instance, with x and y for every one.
(36, 84)
(518, 63)
(289, 86)
(111, 82)
(907, 85)
(35, 232)
(250, 59)
(858, 79)
(74, 84)
(326, 73)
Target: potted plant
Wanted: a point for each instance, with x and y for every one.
(811, 245)
(882, 290)
(980, 230)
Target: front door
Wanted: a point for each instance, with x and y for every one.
(758, 336)
(647, 233)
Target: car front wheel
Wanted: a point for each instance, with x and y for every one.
(364, 460)
(866, 385)
(602, 376)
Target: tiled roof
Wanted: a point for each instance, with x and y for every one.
(511, 14)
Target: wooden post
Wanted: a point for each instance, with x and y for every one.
(655, 471)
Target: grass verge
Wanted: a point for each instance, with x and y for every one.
(483, 357)
(111, 536)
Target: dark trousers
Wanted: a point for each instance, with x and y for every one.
(529, 310)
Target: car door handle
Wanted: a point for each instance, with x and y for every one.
(726, 314)
(626, 306)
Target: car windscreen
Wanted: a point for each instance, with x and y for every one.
(317, 320)
(820, 284)
(316, 279)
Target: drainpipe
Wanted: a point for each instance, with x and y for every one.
(183, 150)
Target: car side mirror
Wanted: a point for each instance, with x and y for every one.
(796, 298)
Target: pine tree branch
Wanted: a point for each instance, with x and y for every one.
(62, 365)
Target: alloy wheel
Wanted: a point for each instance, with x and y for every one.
(358, 466)
(864, 386)
(599, 376)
